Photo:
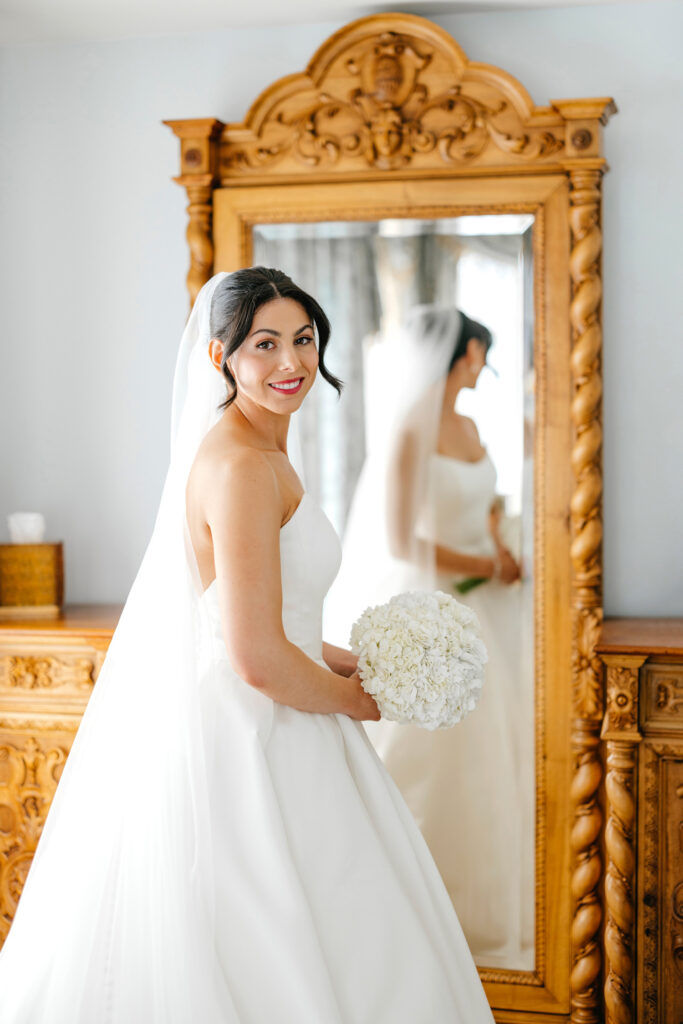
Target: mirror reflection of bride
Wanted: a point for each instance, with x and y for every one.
(425, 516)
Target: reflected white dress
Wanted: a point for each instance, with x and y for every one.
(470, 788)
(330, 909)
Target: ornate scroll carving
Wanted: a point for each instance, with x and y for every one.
(586, 524)
(377, 101)
(663, 697)
(30, 768)
(30, 672)
(667, 699)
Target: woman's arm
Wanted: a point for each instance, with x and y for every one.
(341, 661)
(495, 519)
(400, 498)
(503, 567)
(449, 560)
(401, 505)
(243, 512)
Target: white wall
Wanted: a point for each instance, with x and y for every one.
(92, 297)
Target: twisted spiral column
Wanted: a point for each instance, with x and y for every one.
(620, 731)
(586, 559)
(199, 161)
(198, 234)
(586, 873)
(619, 883)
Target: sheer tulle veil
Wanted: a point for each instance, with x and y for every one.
(124, 860)
(386, 549)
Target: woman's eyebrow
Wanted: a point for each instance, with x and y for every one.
(268, 330)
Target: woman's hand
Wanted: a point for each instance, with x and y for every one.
(495, 520)
(364, 707)
(508, 568)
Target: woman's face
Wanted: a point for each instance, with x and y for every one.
(276, 364)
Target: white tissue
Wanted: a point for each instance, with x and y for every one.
(26, 527)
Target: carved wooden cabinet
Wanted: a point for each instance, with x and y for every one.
(643, 747)
(47, 672)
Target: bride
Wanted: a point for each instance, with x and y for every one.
(425, 516)
(224, 844)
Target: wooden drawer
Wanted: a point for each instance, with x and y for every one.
(47, 673)
(662, 697)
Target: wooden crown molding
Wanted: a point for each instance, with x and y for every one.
(390, 94)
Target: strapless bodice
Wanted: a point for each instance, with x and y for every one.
(310, 556)
(458, 496)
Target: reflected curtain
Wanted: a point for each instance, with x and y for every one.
(366, 277)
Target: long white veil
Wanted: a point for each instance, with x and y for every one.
(387, 546)
(124, 862)
(480, 826)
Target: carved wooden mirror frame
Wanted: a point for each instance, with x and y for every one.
(391, 119)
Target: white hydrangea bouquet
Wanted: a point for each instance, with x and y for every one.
(421, 657)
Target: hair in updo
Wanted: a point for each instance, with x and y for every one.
(234, 305)
(469, 329)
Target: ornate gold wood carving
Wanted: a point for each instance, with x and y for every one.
(198, 157)
(660, 906)
(36, 672)
(621, 713)
(643, 736)
(586, 551)
(648, 923)
(620, 730)
(587, 871)
(663, 696)
(47, 673)
(386, 95)
(30, 768)
(620, 881)
(673, 964)
(379, 102)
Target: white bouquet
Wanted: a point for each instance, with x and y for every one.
(421, 657)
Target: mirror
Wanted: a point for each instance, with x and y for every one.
(432, 172)
(471, 787)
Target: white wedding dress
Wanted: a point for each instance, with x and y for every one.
(330, 909)
(471, 787)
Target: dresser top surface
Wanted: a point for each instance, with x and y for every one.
(641, 636)
(81, 619)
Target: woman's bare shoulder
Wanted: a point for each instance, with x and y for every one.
(227, 473)
(468, 425)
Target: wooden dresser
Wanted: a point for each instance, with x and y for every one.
(47, 671)
(643, 747)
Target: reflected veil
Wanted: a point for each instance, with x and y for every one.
(470, 788)
(383, 553)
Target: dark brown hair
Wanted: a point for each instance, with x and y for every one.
(234, 305)
(469, 329)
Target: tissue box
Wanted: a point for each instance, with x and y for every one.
(31, 580)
